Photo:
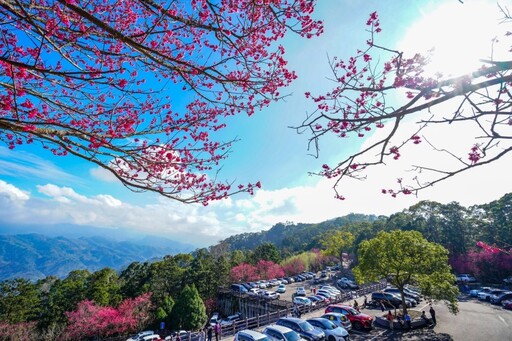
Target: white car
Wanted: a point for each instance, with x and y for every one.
(465, 278)
(253, 292)
(300, 291)
(331, 288)
(228, 321)
(302, 301)
(329, 294)
(138, 336)
(270, 295)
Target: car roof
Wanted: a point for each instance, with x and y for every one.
(254, 334)
(292, 319)
(279, 328)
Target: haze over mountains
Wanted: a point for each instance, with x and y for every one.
(57, 250)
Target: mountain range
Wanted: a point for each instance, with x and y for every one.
(35, 256)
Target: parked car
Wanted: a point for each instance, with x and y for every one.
(238, 288)
(281, 288)
(315, 299)
(303, 328)
(270, 295)
(329, 294)
(507, 304)
(330, 288)
(486, 295)
(396, 291)
(254, 292)
(504, 296)
(301, 300)
(137, 336)
(359, 320)
(250, 335)
(152, 337)
(300, 291)
(281, 333)
(228, 321)
(345, 283)
(390, 300)
(338, 319)
(331, 330)
(474, 292)
(326, 295)
(508, 280)
(214, 319)
(465, 278)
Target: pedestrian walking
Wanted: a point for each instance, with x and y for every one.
(356, 305)
(382, 306)
(433, 315)
(390, 319)
(217, 330)
(201, 335)
(407, 319)
(365, 302)
(209, 333)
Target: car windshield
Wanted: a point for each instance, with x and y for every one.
(305, 326)
(353, 311)
(328, 324)
(291, 336)
(266, 338)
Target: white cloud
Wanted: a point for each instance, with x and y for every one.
(13, 193)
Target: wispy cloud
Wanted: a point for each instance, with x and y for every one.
(22, 164)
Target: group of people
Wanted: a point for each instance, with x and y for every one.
(207, 333)
(405, 321)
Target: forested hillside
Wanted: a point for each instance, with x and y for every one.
(294, 237)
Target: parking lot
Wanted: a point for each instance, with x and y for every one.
(476, 320)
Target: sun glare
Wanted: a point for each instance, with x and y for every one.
(459, 35)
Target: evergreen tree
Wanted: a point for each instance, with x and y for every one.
(189, 312)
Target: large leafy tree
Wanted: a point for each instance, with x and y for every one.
(138, 87)
(405, 257)
(189, 311)
(364, 97)
(335, 243)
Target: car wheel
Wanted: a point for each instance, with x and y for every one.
(331, 338)
(357, 325)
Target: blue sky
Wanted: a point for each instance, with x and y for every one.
(36, 188)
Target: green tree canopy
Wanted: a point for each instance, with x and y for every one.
(266, 251)
(336, 242)
(405, 257)
(189, 312)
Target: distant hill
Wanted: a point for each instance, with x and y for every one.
(35, 256)
(294, 237)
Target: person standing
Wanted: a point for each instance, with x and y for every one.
(201, 335)
(209, 333)
(407, 319)
(365, 302)
(382, 305)
(390, 319)
(433, 315)
(217, 330)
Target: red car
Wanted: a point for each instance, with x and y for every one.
(358, 319)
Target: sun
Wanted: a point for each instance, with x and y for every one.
(459, 36)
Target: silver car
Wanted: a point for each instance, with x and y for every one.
(332, 331)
